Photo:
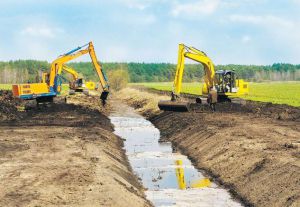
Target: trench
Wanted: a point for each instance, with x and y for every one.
(169, 177)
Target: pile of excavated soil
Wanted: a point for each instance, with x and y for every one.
(65, 155)
(254, 153)
(8, 106)
(260, 109)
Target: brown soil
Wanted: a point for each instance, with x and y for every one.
(8, 106)
(254, 149)
(65, 155)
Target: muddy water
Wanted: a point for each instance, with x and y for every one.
(168, 176)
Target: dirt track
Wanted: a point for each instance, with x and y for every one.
(251, 149)
(64, 155)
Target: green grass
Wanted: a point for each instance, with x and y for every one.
(275, 92)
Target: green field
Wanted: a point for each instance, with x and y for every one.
(275, 92)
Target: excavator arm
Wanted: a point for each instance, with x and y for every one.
(198, 56)
(70, 70)
(58, 65)
(101, 75)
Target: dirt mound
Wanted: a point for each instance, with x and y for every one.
(260, 109)
(8, 106)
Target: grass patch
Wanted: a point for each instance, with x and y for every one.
(5, 86)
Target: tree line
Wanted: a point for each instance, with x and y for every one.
(22, 71)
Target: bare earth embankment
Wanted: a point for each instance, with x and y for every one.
(254, 149)
(64, 155)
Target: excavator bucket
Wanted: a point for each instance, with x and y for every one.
(174, 106)
(103, 96)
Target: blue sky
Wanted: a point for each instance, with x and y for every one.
(229, 31)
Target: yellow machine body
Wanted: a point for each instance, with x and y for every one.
(241, 85)
(90, 85)
(28, 90)
(78, 84)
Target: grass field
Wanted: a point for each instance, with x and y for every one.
(275, 92)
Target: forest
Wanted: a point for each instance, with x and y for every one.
(22, 71)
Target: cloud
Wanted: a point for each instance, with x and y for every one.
(41, 31)
(135, 4)
(199, 8)
(266, 20)
(296, 1)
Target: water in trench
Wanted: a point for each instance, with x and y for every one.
(168, 176)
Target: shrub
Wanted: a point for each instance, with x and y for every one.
(118, 79)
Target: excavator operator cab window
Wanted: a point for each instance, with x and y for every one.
(229, 81)
(79, 82)
(219, 79)
(225, 81)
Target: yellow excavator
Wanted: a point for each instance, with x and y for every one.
(51, 86)
(78, 84)
(224, 81)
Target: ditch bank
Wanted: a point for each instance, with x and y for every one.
(255, 155)
(64, 155)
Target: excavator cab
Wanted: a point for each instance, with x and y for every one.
(225, 84)
(79, 85)
(225, 81)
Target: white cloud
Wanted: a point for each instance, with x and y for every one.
(280, 34)
(147, 19)
(202, 7)
(136, 4)
(267, 20)
(296, 1)
(41, 31)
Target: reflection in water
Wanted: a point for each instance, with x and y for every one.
(202, 183)
(170, 178)
(180, 175)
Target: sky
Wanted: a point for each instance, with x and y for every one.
(229, 31)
